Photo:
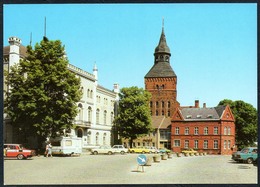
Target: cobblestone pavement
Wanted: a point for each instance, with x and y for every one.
(122, 169)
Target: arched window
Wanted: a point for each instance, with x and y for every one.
(80, 107)
(112, 117)
(89, 114)
(157, 104)
(80, 133)
(97, 116)
(105, 117)
(88, 93)
(89, 137)
(169, 104)
(151, 104)
(104, 138)
(91, 94)
(97, 138)
(228, 130)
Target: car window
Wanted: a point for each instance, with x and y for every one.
(12, 147)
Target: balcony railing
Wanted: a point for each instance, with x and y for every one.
(82, 123)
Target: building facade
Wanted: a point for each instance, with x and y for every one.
(210, 130)
(96, 108)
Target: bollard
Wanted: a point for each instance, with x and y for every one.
(157, 158)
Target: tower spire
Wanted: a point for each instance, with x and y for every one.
(45, 26)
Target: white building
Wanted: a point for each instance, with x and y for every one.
(96, 107)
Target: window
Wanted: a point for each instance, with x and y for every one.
(104, 139)
(112, 117)
(105, 117)
(205, 145)
(169, 113)
(177, 143)
(169, 104)
(88, 93)
(225, 144)
(157, 104)
(162, 104)
(206, 130)
(186, 130)
(89, 114)
(228, 130)
(215, 130)
(196, 144)
(162, 112)
(156, 112)
(91, 94)
(151, 104)
(186, 144)
(215, 144)
(225, 130)
(89, 137)
(97, 116)
(196, 130)
(177, 130)
(97, 138)
(229, 144)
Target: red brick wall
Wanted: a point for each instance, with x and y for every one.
(201, 137)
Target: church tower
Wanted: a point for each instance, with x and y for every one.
(161, 81)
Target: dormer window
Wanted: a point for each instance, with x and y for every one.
(210, 116)
(188, 116)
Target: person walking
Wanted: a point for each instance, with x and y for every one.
(49, 150)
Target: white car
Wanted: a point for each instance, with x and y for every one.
(152, 149)
(120, 149)
(104, 149)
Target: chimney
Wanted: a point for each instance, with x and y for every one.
(204, 105)
(197, 104)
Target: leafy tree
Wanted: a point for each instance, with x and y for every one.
(245, 120)
(43, 92)
(134, 119)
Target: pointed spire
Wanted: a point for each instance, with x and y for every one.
(162, 46)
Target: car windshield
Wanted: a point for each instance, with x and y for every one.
(245, 150)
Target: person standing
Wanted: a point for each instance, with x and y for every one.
(49, 150)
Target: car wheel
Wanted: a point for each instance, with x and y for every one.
(95, 153)
(110, 153)
(132, 152)
(122, 152)
(143, 152)
(20, 157)
(249, 160)
(150, 152)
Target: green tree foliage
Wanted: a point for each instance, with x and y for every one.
(246, 122)
(43, 93)
(134, 119)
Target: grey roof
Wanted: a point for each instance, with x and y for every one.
(199, 114)
(161, 69)
(22, 51)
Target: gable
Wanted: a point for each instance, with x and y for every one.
(227, 114)
(177, 116)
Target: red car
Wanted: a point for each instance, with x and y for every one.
(17, 150)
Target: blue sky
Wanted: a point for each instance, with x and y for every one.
(213, 46)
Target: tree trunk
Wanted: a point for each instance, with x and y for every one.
(131, 142)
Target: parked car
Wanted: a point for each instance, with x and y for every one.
(164, 150)
(248, 154)
(18, 151)
(139, 150)
(153, 149)
(120, 149)
(189, 150)
(104, 149)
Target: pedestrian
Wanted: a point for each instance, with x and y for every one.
(49, 150)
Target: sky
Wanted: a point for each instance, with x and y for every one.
(213, 46)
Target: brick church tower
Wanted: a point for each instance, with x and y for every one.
(161, 81)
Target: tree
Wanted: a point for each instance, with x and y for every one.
(43, 93)
(245, 120)
(134, 119)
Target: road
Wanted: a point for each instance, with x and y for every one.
(122, 169)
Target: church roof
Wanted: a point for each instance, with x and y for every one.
(161, 69)
(162, 46)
